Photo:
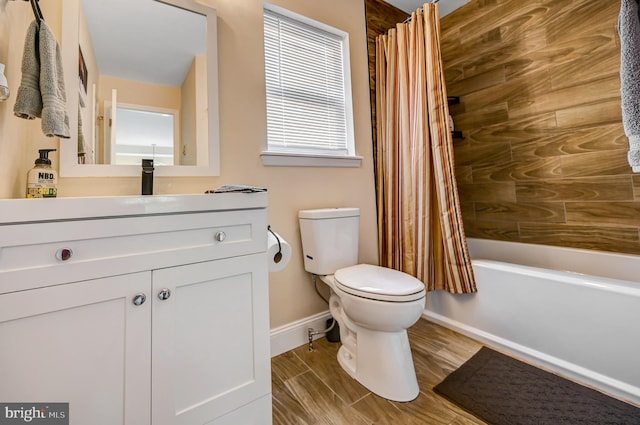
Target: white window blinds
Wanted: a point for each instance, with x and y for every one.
(307, 79)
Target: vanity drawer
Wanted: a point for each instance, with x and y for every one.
(50, 253)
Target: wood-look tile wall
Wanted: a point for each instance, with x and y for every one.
(544, 155)
(381, 17)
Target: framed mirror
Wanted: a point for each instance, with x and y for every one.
(141, 78)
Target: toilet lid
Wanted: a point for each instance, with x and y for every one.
(379, 283)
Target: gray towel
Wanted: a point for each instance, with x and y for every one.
(629, 31)
(55, 121)
(28, 99)
(41, 93)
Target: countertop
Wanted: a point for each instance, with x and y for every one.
(14, 211)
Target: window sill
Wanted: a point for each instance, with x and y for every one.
(281, 159)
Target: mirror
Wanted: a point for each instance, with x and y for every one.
(143, 82)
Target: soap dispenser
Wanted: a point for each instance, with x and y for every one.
(42, 180)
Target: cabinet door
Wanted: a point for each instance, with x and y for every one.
(210, 351)
(85, 344)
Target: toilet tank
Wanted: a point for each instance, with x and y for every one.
(329, 239)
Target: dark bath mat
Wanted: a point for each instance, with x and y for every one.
(504, 391)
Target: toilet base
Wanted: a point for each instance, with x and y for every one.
(382, 363)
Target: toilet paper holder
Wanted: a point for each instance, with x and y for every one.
(278, 251)
(278, 255)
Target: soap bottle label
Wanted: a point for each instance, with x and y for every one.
(41, 184)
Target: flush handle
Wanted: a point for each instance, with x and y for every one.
(164, 294)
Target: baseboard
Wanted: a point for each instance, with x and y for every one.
(603, 383)
(292, 335)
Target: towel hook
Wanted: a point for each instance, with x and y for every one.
(36, 10)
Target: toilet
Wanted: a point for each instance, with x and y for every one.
(373, 305)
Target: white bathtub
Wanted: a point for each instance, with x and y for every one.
(574, 311)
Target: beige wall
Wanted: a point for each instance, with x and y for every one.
(139, 92)
(194, 109)
(188, 122)
(243, 137)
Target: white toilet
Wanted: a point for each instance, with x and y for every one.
(373, 305)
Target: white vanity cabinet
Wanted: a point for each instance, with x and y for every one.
(82, 343)
(150, 311)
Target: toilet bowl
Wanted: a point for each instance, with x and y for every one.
(373, 305)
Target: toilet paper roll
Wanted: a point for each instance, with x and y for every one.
(278, 254)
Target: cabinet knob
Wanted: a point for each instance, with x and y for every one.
(221, 236)
(139, 299)
(164, 294)
(63, 254)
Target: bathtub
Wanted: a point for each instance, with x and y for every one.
(576, 312)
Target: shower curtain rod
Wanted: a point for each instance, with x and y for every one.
(409, 18)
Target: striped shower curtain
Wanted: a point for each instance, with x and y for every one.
(419, 220)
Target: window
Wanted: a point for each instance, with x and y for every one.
(143, 133)
(309, 112)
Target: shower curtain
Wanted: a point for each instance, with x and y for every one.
(419, 221)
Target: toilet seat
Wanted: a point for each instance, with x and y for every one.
(379, 283)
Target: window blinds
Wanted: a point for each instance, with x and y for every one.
(305, 79)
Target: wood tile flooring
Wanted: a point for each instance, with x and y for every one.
(310, 388)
